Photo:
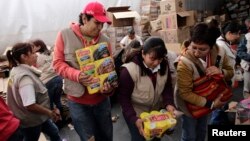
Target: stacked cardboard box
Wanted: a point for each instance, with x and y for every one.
(150, 10)
(175, 21)
(122, 19)
(116, 34)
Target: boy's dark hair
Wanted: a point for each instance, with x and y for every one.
(86, 15)
(131, 31)
(14, 55)
(204, 34)
(215, 24)
(131, 50)
(231, 26)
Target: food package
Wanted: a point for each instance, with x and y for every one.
(104, 65)
(94, 87)
(84, 56)
(156, 123)
(95, 60)
(88, 69)
(100, 51)
(92, 53)
(98, 82)
(111, 77)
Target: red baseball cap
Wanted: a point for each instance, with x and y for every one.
(97, 10)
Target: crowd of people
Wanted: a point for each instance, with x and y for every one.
(150, 78)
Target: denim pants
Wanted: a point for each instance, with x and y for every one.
(55, 91)
(48, 127)
(92, 120)
(194, 129)
(134, 132)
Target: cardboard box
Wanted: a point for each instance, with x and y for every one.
(177, 20)
(174, 47)
(121, 16)
(155, 25)
(209, 18)
(172, 6)
(144, 19)
(175, 35)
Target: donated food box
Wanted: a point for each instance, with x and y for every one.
(95, 60)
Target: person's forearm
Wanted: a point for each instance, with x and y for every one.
(59, 64)
(35, 108)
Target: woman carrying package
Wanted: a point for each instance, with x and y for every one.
(145, 85)
(201, 56)
(27, 96)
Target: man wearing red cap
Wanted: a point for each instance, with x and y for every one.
(91, 114)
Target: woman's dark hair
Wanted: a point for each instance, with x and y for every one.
(157, 46)
(14, 55)
(87, 16)
(134, 44)
(43, 47)
(202, 33)
(231, 26)
(131, 50)
(215, 24)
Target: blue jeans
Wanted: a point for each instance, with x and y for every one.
(92, 120)
(134, 132)
(194, 129)
(48, 127)
(55, 91)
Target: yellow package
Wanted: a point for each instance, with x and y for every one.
(111, 77)
(156, 123)
(94, 87)
(104, 65)
(88, 69)
(100, 51)
(100, 80)
(84, 56)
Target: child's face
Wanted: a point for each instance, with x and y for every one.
(151, 60)
(247, 23)
(232, 37)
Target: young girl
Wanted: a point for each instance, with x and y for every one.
(145, 85)
(27, 96)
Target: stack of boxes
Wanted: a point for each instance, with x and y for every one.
(122, 20)
(176, 22)
(150, 10)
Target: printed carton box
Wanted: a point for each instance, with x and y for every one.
(171, 6)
